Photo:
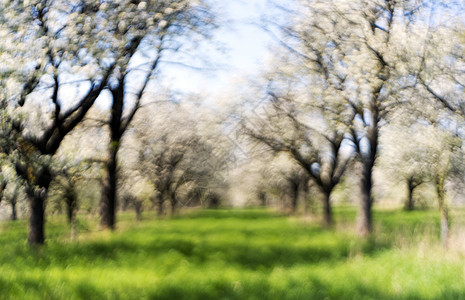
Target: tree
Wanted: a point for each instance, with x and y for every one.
(146, 31)
(48, 48)
(12, 198)
(288, 124)
(3, 185)
(68, 176)
(296, 183)
(432, 154)
(135, 190)
(447, 162)
(355, 49)
(407, 157)
(86, 45)
(254, 178)
(179, 151)
(11, 189)
(274, 179)
(440, 73)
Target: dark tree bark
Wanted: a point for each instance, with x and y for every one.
(413, 182)
(214, 201)
(291, 190)
(36, 219)
(71, 210)
(14, 215)
(138, 209)
(294, 194)
(410, 204)
(109, 188)
(3, 185)
(37, 198)
(13, 201)
(262, 198)
(125, 202)
(327, 210)
(71, 203)
(365, 219)
(118, 126)
(172, 208)
(173, 202)
(109, 184)
(159, 204)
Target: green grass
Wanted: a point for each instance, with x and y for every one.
(234, 254)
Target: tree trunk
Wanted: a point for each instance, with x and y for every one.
(71, 204)
(327, 211)
(37, 195)
(159, 203)
(310, 202)
(138, 209)
(440, 180)
(69, 213)
(304, 196)
(282, 200)
(108, 201)
(109, 185)
(214, 201)
(365, 225)
(13, 202)
(37, 217)
(14, 215)
(365, 219)
(125, 201)
(409, 206)
(294, 197)
(445, 227)
(262, 198)
(71, 207)
(173, 205)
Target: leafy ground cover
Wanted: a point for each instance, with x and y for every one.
(235, 254)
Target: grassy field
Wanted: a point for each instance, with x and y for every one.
(236, 254)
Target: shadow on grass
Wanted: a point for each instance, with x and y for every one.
(41, 288)
(217, 288)
(223, 238)
(256, 253)
(355, 289)
(239, 213)
(235, 242)
(238, 237)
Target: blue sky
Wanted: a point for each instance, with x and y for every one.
(245, 48)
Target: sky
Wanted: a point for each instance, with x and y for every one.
(244, 44)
